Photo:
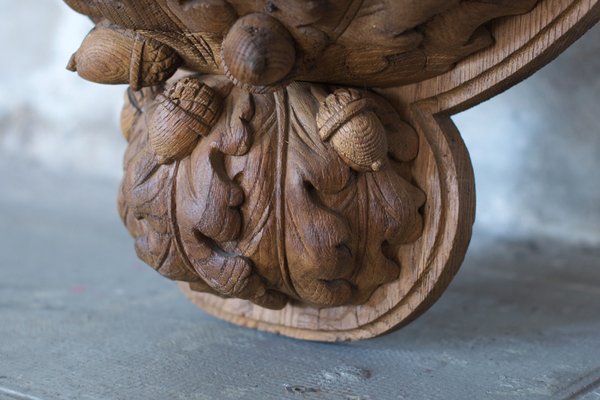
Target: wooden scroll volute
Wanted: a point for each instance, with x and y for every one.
(292, 163)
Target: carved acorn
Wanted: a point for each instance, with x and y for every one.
(258, 53)
(347, 119)
(112, 55)
(186, 111)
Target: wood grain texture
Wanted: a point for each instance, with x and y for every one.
(262, 45)
(113, 55)
(312, 210)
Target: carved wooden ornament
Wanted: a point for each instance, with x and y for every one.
(292, 163)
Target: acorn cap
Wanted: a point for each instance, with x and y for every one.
(187, 111)
(195, 99)
(338, 108)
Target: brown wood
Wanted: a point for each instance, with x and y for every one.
(282, 198)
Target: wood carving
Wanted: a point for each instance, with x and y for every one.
(292, 162)
(117, 56)
(264, 44)
(259, 205)
(182, 115)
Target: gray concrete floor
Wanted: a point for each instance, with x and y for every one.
(81, 318)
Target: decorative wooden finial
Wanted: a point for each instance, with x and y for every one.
(258, 53)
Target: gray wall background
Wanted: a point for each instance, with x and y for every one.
(535, 148)
(48, 115)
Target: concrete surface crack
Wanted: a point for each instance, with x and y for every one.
(12, 394)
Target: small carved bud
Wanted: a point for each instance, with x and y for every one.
(117, 56)
(348, 120)
(258, 53)
(186, 111)
(212, 16)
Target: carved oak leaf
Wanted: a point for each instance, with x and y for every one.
(147, 205)
(263, 209)
(145, 198)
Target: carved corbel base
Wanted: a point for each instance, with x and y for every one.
(421, 269)
(267, 217)
(296, 169)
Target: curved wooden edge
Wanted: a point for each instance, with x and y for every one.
(557, 23)
(466, 210)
